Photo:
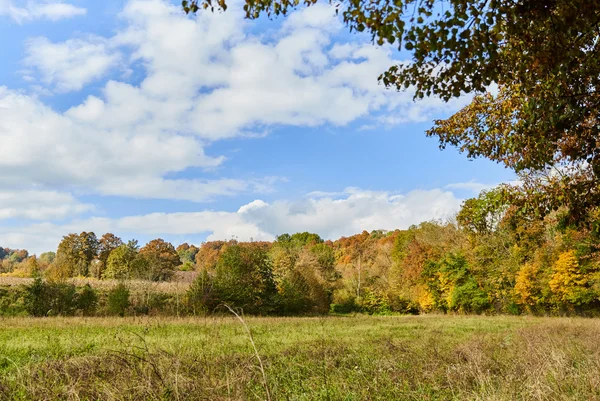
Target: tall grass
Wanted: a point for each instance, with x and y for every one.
(350, 358)
(136, 286)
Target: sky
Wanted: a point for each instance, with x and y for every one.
(132, 118)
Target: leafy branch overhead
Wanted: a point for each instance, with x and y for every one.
(543, 55)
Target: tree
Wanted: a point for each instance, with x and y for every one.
(76, 252)
(304, 270)
(244, 279)
(124, 262)
(483, 214)
(544, 55)
(108, 243)
(161, 258)
(209, 253)
(187, 253)
(17, 255)
(46, 259)
(567, 283)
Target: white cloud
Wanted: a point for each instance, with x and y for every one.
(206, 79)
(331, 217)
(33, 10)
(39, 205)
(471, 186)
(42, 147)
(356, 210)
(70, 65)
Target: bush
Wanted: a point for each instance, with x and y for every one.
(403, 305)
(35, 299)
(61, 298)
(118, 300)
(187, 266)
(50, 299)
(344, 302)
(198, 296)
(375, 303)
(12, 302)
(87, 300)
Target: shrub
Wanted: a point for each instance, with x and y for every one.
(12, 302)
(118, 300)
(87, 300)
(35, 302)
(404, 305)
(375, 303)
(199, 295)
(50, 299)
(187, 266)
(344, 302)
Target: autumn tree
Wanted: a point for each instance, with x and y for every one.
(124, 262)
(187, 255)
(161, 258)
(568, 283)
(75, 254)
(106, 245)
(46, 258)
(209, 252)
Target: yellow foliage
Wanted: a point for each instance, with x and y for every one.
(446, 286)
(425, 299)
(566, 277)
(525, 285)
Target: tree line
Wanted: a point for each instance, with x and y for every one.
(493, 258)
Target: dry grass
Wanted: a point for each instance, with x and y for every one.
(136, 286)
(358, 358)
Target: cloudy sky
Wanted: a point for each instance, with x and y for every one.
(130, 117)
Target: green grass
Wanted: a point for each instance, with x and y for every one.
(333, 358)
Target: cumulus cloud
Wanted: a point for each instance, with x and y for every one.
(45, 148)
(331, 217)
(206, 78)
(39, 205)
(31, 10)
(70, 65)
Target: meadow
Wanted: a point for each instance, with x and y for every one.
(430, 357)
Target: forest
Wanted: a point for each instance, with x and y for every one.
(492, 258)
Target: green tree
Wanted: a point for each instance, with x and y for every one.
(46, 258)
(187, 253)
(124, 262)
(244, 279)
(483, 214)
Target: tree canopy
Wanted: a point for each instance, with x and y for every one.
(544, 56)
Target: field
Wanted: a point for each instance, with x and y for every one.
(346, 358)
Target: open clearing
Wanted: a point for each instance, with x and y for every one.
(331, 358)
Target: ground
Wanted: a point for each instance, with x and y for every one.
(431, 357)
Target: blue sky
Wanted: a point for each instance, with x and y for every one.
(130, 117)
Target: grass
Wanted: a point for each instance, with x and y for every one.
(332, 358)
(180, 285)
